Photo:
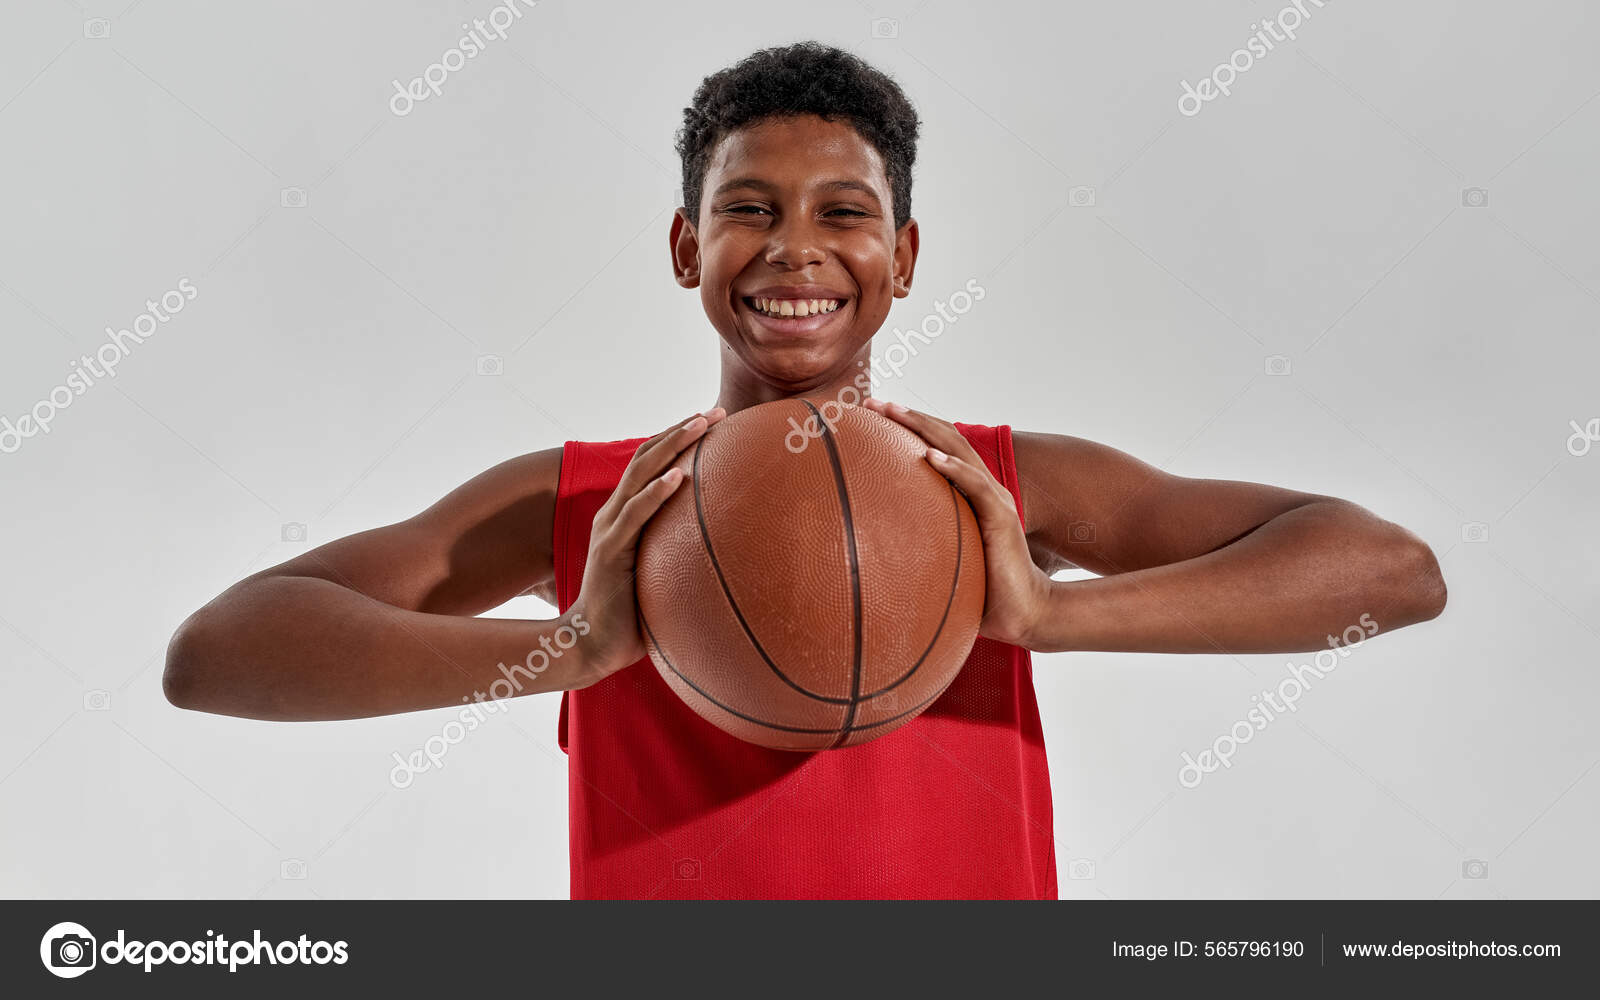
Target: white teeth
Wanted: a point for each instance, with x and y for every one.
(795, 307)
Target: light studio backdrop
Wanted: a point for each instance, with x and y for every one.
(1359, 262)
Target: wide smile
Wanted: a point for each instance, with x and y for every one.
(794, 316)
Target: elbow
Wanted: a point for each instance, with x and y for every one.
(186, 659)
(1423, 592)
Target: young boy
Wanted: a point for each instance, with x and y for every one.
(797, 231)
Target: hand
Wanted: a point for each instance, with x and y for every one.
(1017, 589)
(606, 597)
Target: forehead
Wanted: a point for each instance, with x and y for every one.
(796, 150)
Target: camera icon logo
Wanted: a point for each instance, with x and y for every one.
(294, 531)
(1474, 197)
(1279, 364)
(1081, 869)
(292, 198)
(68, 950)
(885, 27)
(491, 364)
(1474, 531)
(96, 700)
(97, 27)
(1474, 868)
(292, 868)
(1080, 532)
(686, 869)
(1082, 196)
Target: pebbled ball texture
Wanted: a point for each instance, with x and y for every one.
(815, 584)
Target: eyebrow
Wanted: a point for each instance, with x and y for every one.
(758, 184)
(847, 185)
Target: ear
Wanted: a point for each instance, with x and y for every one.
(906, 243)
(685, 250)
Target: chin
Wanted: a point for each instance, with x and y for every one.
(794, 371)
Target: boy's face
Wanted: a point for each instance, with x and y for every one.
(796, 211)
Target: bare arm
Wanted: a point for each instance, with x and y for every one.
(380, 622)
(1186, 565)
(1206, 565)
(377, 622)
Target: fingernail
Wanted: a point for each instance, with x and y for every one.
(899, 408)
(937, 455)
(691, 423)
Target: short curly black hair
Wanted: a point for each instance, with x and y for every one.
(806, 78)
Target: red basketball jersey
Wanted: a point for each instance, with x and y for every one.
(662, 804)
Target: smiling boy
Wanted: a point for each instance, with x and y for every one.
(797, 232)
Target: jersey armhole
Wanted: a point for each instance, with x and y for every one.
(561, 532)
(561, 524)
(1008, 470)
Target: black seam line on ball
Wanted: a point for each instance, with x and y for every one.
(705, 537)
(948, 603)
(855, 573)
(773, 725)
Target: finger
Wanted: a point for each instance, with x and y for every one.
(624, 532)
(993, 503)
(940, 433)
(653, 456)
(665, 438)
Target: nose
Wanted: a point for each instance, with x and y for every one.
(794, 245)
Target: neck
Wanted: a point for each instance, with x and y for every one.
(742, 388)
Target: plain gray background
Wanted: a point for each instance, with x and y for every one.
(327, 374)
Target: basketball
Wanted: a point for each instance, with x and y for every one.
(816, 583)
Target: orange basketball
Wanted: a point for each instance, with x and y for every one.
(815, 584)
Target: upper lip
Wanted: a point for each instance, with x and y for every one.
(794, 292)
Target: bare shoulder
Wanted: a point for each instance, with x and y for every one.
(1070, 487)
(1091, 505)
(1066, 476)
(529, 480)
(486, 541)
